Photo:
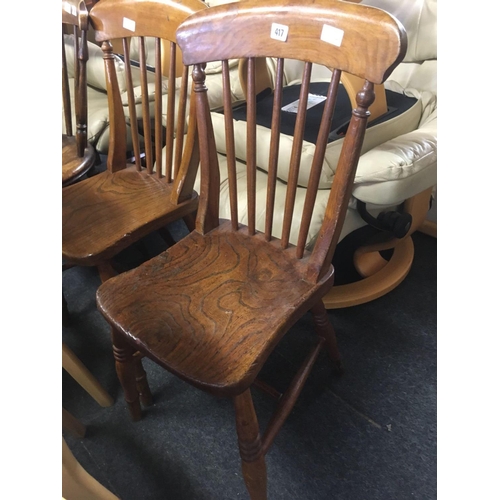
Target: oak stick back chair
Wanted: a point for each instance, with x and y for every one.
(106, 213)
(212, 308)
(78, 155)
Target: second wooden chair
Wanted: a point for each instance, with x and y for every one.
(106, 213)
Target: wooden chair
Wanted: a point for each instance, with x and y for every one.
(78, 155)
(212, 308)
(106, 213)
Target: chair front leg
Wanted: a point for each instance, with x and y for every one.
(253, 463)
(141, 380)
(125, 369)
(325, 330)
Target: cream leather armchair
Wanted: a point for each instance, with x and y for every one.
(396, 173)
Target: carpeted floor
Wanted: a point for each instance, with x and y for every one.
(368, 435)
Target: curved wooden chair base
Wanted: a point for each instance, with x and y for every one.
(376, 285)
(381, 276)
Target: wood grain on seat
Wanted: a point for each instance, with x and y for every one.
(110, 211)
(221, 305)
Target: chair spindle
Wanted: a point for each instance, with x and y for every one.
(293, 173)
(336, 208)
(230, 151)
(131, 104)
(181, 120)
(274, 149)
(169, 150)
(251, 145)
(158, 108)
(65, 91)
(117, 159)
(145, 106)
(317, 163)
(81, 106)
(75, 54)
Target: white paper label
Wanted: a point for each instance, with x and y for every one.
(67, 8)
(312, 100)
(73, 10)
(279, 32)
(332, 35)
(128, 24)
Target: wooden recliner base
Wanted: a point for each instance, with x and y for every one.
(380, 276)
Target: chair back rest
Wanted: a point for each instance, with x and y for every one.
(75, 22)
(157, 125)
(360, 40)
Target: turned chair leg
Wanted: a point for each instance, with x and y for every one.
(325, 330)
(125, 369)
(141, 380)
(106, 271)
(253, 463)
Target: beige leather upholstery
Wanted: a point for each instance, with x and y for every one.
(407, 164)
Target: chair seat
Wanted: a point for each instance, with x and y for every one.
(74, 166)
(107, 212)
(211, 308)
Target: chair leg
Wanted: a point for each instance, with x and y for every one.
(65, 312)
(253, 463)
(72, 425)
(82, 375)
(125, 369)
(141, 380)
(325, 330)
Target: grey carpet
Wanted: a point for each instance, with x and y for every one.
(368, 435)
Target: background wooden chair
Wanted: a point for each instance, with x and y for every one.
(106, 213)
(78, 156)
(212, 307)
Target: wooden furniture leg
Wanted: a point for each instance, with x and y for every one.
(141, 381)
(324, 329)
(65, 312)
(82, 375)
(253, 462)
(126, 370)
(72, 425)
(107, 271)
(77, 483)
